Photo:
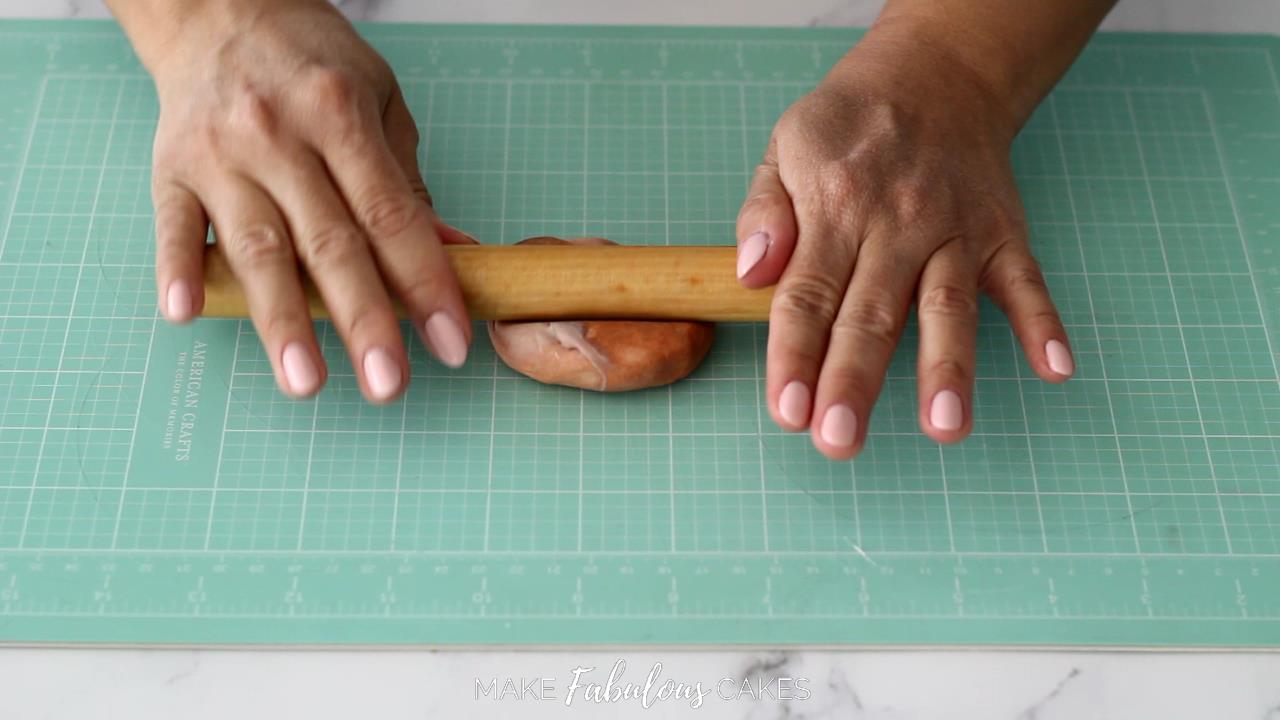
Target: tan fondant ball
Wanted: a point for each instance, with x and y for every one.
(603, 355)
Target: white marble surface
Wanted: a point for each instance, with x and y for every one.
(864, 685)
(875, 685)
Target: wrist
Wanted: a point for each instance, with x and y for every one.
(161, 30)
(910, 62)
(1012, 51)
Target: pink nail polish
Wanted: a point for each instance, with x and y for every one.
(300, 371)
(446, 340)
(178, 301)
(1059, 358)
(381, 373)
(839, 426)
(752, 251)
(946, 411)
(794, 404)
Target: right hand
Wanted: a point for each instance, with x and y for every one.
(283, 128)
(890, 186)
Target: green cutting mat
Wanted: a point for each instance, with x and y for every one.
(155, 488)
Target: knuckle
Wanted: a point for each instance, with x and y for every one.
(279, 323)
(912, 198)
(334, 246)
(869, 318)
(810, 296)
(887, 120)
(258, 245)
(765, 174)
(333, 87)
(950, 370)
(344, 129)
(169, 211)
(765, 169)
(851, 383)
(339, 98)
(209, 137)
(176, 230)
(948, 301)
(389, 214)
(368, 322)
(251, 113)
(419, 291)
(1046, 317)
(1026, 276)
(757, 204)
(797, 359)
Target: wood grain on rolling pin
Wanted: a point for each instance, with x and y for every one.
(563, 282)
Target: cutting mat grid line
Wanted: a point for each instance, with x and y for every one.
(1147, 487)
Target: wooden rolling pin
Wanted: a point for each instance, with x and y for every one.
(564, 282)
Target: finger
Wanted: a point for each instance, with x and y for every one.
(804, 305)
(338, 259)
(766, 227)
(401, 133)
(863, 336)
(253, 237)
(181, 229)
(1014, 281)
(948, 315)
(402, 235)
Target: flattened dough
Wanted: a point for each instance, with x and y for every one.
(603, 355)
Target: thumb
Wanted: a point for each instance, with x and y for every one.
(766, 226)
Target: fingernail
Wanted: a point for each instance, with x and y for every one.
(946, 413)
(1059, 358)
(446, 340)
(178, 301)
(299, 371)
(751, 251)
(382, 373)
(793, 403)
(839, 426)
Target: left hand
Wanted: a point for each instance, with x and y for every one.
(890, 184)
(284, 129)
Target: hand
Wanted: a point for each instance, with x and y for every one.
(288, 132)
(888, 185)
